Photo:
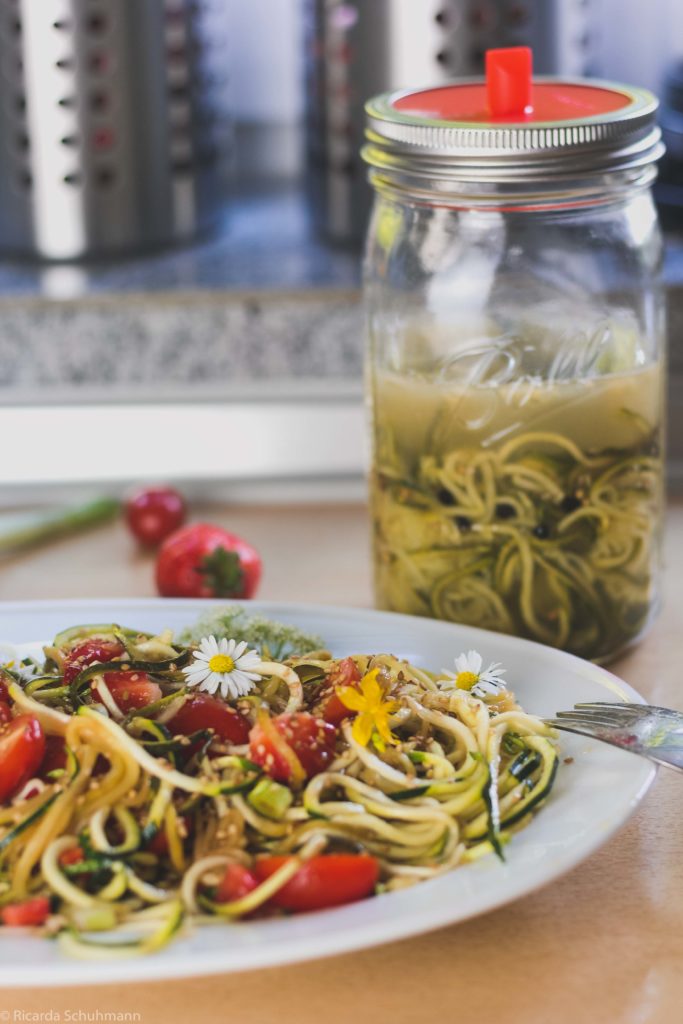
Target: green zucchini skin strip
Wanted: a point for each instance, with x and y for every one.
(156, 668)
(176, 746)
(543, 787)
(410, 794)
(478, 828)
(157, 705)
(140, 724)
(148, 667)
(88, 673)
(95, 629)
(38, 684)
(27, 822)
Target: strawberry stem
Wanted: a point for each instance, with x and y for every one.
(223, 573)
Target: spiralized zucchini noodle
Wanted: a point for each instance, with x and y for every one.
(535, 537)
(133, 836)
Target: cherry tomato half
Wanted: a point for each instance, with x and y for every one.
(201, 711)
(29, 913)
(22, 746)
(237, 882)
(5, 683)
(74, 855)
(277, 744)
(131, 689)
(324, 881)
(92, 651)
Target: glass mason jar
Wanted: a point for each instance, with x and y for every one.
(515, 363)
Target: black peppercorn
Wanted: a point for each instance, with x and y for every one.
(570, 503)
(463, 523)
(445, 497)
(541, 531)
(505, 510)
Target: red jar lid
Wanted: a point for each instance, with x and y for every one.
(510, 95)
(549, 101)
(509, 126)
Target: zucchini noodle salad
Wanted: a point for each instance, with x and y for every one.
(240, 771)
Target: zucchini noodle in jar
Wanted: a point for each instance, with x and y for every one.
(515, 365)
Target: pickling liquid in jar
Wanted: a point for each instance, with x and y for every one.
(532, 510)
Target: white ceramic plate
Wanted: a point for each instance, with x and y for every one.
(592, 797)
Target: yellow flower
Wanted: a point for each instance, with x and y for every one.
(372, 720)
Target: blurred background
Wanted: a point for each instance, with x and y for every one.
(182, 208)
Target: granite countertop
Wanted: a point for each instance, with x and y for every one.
(261, 301)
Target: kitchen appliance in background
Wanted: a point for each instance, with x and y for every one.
(353, 50)
(113, 124)
(357, 48)
(669, 185)
(267, 92)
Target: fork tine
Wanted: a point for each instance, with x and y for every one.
(618, 708)
(637, 710)
(614, 715)
(571, 724)
(609, 704)
(581, 728)
(590, 718)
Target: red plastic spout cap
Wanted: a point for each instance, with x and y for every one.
(508, 82)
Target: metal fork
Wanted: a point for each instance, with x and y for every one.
(652, 732)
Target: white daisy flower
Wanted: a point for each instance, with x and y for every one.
(224, 665)
(9, 659)
(470, 675)
(26, 672)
